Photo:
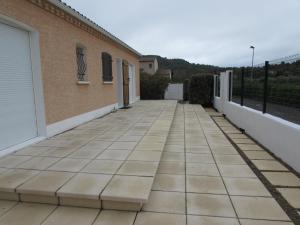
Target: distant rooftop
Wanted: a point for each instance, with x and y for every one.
(147, 59)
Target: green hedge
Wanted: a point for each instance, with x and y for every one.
(186, 89)
(153, 86)
(201, 90)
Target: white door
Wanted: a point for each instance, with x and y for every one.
(132, 94)
(120, 83)
(17, 106)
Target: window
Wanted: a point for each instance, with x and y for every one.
(150, 65)
(107, 67)
(81, 63)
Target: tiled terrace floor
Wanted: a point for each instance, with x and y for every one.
(107, 163)
(201, 180)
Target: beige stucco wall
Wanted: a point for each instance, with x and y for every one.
(64, 98)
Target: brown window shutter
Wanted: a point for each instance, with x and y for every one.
(107, 66)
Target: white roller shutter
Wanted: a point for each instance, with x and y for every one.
(17, 106)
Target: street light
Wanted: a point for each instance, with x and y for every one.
(252, 60)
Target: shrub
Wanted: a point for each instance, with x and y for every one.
(201, 90)
(186, 87)
(153, 86)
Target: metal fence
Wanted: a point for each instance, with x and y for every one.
(272, 87)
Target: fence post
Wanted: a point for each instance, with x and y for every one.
(242, 86)
(266, 87)
(229, 88)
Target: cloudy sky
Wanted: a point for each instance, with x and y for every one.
(217, 32)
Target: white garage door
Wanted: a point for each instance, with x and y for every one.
(17, 107)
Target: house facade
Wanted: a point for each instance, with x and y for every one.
(58, 69)
(148, 65)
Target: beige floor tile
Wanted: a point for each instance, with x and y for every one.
(282, 178)
(27, 214)
(174, 148)
(151, 218)
(263, 222)
(109, 217)
(128, 188)
(145, 156)
(84, 185)
(258, 155)
(199, 150)
(242, 141)
(292, 195)
(58, 152)
(114, 154)
(85, 154)
(231, 130)
(126, 145)
(151, 139)
(11, 161)
(206, 220)
(38, 163)
(209, 205)
(201, 169)
(62, 143)
(249, 147)
(169, 182)
(236, 171)
(6, 205)
(96, 145)
(224, 150)
(72, 215)
(199, 158)
(45, 183)
(168, 202)
(69, 165)
(269, 165)
(258, 208)
(172, 157)
(138, 168)
(102, 166)
(203, 184)
(237, 135)
(171, 168)
(246, 187)
(130, 138)
(13, 178)
(229, 160)
(158, 146)
(31, 151)
(107, 137)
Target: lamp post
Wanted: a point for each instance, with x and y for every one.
(252, 47)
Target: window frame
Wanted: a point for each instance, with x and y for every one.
(107, 64)
(81, 63)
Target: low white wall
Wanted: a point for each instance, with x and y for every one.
(279, 136)
(217, 103)
(174, 92)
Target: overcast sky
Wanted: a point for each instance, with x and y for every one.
(217, 32)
